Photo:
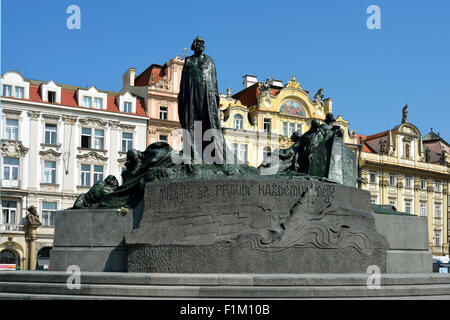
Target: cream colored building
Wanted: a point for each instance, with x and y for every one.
(57, 141)
(400, 168)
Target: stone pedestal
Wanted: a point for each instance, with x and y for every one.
(31, 236)
(255, 225)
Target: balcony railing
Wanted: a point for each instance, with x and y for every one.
(11, 228)
(11, 184)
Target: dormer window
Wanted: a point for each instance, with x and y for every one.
(15, 86)
(87, 102)
(51, 96)
(98, 103)
(126, 102)
(50, 92)
(127, 107)
(20, 92)
(92, 98)
(7, 90)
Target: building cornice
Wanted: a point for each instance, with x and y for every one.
(76, 109)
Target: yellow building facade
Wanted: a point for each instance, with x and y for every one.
(262, 117)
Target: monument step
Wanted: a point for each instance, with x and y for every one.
(53, 285)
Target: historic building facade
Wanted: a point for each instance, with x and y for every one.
(402, 169)
(57, 141)
(262, 117)
(158, 86)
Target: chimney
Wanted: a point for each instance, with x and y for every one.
(276, 83)
(249, 80)
(128, 77)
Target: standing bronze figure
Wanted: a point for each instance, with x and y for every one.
(198, 99)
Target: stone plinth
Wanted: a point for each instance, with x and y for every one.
(255, 225)
(91, 240)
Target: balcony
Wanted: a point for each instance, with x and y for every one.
(11, 228)
(11, 184)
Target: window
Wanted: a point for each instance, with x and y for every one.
(267, 126)
(299, 127)
(423, 209)
(437, 186)
(437, 238)
(87, 102)
(127, 107)
(99, 139)
(373, 200)
(86, 135)
(392, 180)
(9, 212)
(423, 184)
(163, 113)
(127, 141)
(7, 90)
(285, 126)
(85, 175)
(235, 150)
(437, 211)
(238, 122)
(10, 172)
(51, 96)
(50, 134)
(50, 172)
(291, 129)
(408, 183)
(12, 129)
(163, 138)
(373, 177)
(98, 173)
(243, 153)
(408, 206)
(20, 92)
(267, 152)
(392, 202)
(98, 103)
(48, 213)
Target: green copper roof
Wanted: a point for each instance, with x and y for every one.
(387, 209)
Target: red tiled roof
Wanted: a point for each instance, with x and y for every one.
(69, 98)
(248, 96)
(154, 73)
(365, 147)
(377, 135)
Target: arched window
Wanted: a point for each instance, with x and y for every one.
(43, 258)
(238, 122)
(9, 256)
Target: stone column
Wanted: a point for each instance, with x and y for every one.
(30, 236)
(31, 226)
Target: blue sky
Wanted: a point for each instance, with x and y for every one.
(369, 74)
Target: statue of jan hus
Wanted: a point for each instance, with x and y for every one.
(198, 99)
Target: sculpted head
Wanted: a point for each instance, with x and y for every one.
(329, 118)
(111, 181)
(198, 45)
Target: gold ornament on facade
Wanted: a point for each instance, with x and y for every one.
(293, 84)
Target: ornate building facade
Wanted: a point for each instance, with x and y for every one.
(262, 117)
(411, 173)
(57, 141)
(158, 86)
